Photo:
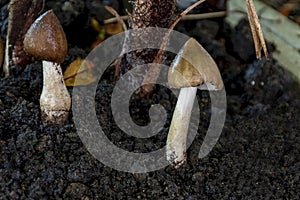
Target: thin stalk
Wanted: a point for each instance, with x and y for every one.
(187, 17)
(177, 136)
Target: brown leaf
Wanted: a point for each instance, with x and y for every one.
(95, 25)
(22, 14)
(113, 29)
(104, 31)
(81, 71)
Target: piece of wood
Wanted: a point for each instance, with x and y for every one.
(278, 29)
(146, 13)
(258, 38)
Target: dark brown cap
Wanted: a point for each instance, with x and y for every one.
(46, 40)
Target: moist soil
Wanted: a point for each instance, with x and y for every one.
(256, 157)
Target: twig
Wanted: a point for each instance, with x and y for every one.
(186, 17)
(186, 11)
(114, 19)
(204, 15)
(117, 18)
(257, 34)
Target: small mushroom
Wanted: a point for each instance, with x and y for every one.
(45, 40)
(192, 67)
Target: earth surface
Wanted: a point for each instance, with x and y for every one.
(256, 157)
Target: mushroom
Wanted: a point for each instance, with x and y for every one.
(192, 67)
(45, 40)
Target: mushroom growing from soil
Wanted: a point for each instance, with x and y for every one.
(192, 67)
(45, 40)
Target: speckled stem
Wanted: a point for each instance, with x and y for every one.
(177, 136)
(55, 100)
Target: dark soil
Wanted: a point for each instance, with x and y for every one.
(256, 157)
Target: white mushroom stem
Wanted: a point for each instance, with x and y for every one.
(6, 59)
(177, 136)
(55, 100)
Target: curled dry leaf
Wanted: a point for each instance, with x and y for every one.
(22, 13)
(81, 71)
(110, 29)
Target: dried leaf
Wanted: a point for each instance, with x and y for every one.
(22, 13)
(95, 25)
(113, 29)
(104, 31)
(82, 71)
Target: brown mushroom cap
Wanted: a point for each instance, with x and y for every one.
(46, 40)
(193, 66)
